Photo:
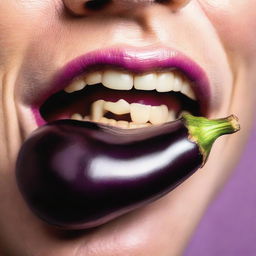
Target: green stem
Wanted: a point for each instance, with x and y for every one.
(205, 131)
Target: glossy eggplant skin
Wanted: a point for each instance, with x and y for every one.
(78, 175)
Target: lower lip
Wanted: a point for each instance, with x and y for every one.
(134, 61)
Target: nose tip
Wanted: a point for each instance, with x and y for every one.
(87, 7)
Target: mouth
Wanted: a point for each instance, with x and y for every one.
(122, 88)
(126, 88)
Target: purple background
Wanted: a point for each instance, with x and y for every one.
(229, 226)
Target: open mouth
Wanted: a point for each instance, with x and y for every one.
(126, 89)
(120, 98)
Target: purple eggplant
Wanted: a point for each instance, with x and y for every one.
(78, 175)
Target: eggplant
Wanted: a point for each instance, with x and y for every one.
(78, 175)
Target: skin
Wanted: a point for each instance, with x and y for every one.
(40, 36)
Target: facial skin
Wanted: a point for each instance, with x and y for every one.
(38, 37)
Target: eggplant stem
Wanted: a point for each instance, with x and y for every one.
(205, 131)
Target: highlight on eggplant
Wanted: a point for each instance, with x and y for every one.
(77, 175)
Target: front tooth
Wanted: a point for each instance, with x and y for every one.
(76, 85)
(120, 107)
(117, 80)
(187, 90)
(145, 82)
(76, 116)
(165, 82)
(93, 78)
(177, 83)
(97, 110)
(140, 113)
(158, 114)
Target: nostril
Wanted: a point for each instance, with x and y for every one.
(162, 1)
(175, 4)
(86, 7)
(95, 5)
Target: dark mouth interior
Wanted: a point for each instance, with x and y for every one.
(62, 105)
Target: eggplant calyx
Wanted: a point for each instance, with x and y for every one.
(205, 131)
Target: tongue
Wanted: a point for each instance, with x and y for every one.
(63, 105)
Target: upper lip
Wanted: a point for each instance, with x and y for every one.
(134, 60)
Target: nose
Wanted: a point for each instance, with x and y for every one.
(87, 7)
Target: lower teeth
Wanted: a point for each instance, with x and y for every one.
(122, 124)
(112, 122)
(141, 115)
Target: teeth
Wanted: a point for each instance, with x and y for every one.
(76, 85)
(112, 122)
(117, 80)
(158, 114)
(133, 125)
(120, 107)
(104, 120)
(140, 113)
(93, 78)
(165, 82)
(97, 110)
(171, 116)
(177, 83)
(186, 89)
(76, 116)
(122, 124)
(145, 82)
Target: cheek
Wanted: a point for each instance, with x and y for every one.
(19, 23)
(235, 22)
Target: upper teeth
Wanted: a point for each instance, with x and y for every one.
(120, 80)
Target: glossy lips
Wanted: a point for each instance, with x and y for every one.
(78, 175)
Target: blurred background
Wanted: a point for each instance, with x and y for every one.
(229, 226)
